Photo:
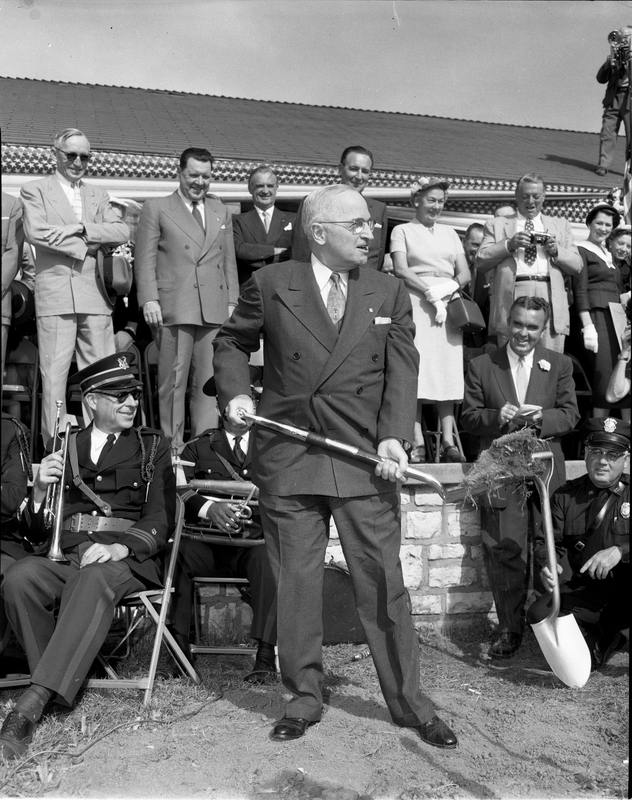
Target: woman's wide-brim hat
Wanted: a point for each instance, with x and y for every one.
(425, 183)
(610, 209)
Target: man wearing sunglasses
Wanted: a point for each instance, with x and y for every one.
(340, 360)
(67, 220)
(591, 522)
(118, 512)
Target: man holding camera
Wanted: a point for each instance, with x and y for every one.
(616, 102)
(531, 253)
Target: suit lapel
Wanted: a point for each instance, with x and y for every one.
(255, 226)
(212, 224)
(89, 203)
(538, 378)
(276, 227)
(303, 300)
(183, 218)
(503, 376)
(84, 441)
(58, 200)
(363, 303)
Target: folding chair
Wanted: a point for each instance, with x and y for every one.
(26, 354)
(432, 439)
(150, 381)
(148, 601)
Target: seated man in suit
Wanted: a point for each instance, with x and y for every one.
(591, 524)
(263, 235)
(118, 512)
(355, 168)
(530, 254)
(521, 384)
(224, 454)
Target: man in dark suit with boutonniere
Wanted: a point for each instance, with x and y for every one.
(522, 384)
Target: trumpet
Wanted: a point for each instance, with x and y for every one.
(54, 503)
(619, 42)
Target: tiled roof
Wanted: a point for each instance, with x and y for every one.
(160, 123)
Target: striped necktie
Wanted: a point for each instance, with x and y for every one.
(77, 205)
(522, 380)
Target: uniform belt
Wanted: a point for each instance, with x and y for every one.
(91, 523)
(542, 278)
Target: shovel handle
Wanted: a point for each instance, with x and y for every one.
(542, 485)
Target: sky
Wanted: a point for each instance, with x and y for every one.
(508, 61)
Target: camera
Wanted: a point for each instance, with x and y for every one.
(540, 238)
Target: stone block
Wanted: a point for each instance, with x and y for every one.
(427, 603)
(476, 551)
(422, 524)
(452, 575)
(437, 551)
(468, 602)
(426, 497)
(464, 522)
(411, 557)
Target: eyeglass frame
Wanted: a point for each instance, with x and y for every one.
(610, 455)
(352, 223)
(72, 157)
(119, 397)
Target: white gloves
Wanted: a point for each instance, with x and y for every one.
(441, 290)
(591, 340)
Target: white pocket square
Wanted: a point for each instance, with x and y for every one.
(378, 225)
(288, 227)
(223, 228)
(382, 321)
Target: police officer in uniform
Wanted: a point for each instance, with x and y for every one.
(118, 512)
(224, 454)
(591, 521)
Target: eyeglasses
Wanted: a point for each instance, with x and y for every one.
(70, 157)
(119, 397)
(609, 455)
(354, 225)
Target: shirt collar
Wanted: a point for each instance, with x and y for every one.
(99, 437)
(323, 274)
(244, 438)
(537, 220)
(64, 181)
(514, 358)
(189, 203)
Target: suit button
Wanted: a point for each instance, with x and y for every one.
(359, 391)
(94, 513)
(316, 394)
(221, 286)
(135, 484)
(186, 246)
(374, 357)
(99, 478)
(195, 286)
(244, 472)
(209, 471)
(296, 356)
(311, 428)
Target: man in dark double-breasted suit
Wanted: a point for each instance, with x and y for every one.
(118, 512)
(493, 406)
(263, 235)
(339, 360)
(186, 277)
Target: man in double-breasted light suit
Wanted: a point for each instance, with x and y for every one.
(67, 221)
(352, 380)
(505, 248)
(187, 283)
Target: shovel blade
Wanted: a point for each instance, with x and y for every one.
(564, 648)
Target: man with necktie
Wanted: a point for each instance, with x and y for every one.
(263, 235)
(340, 360)
(186, 277)
(530, 254)
(225, 454)
(591, 524)
(522, 384)
(67, 220)
(118, 513)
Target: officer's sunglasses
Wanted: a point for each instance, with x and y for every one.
(121, 396)
(85, 157)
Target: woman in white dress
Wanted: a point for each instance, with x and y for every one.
(429, 258)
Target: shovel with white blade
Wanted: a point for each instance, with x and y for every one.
(560, 639)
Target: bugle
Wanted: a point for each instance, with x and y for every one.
(54, 503)
(242, 489)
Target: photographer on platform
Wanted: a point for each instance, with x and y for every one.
(615, 71)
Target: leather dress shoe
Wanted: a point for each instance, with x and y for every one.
(262, 672)
(506, 645)
(601, 171)
(605, 647)
(437, 733)
(16, 735)
(290, 728)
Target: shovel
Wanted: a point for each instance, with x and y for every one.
(560, 639)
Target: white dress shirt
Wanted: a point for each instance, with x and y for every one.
(323, 276)
(513, 364)
(189, 204)
(263, 213)
(97, 443)
(541, 264)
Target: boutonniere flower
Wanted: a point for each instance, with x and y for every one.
(544, 365)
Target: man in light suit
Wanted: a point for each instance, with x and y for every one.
(497, 387)
(355, 168)
(263, 235)
(12, 243)
(525, 267)
(67, 221)
(339, 360)
(187, 283)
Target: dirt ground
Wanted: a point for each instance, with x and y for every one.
(522, 734)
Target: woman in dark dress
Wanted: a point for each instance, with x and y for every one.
(596, 286)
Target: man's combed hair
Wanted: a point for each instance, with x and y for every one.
(530, 177)
(318, 205)
(64, 135)
(198, 153)
(532, 304)
(261, 169)
(356, 148)
(475, 226)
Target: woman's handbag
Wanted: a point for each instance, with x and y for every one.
(464, 313)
